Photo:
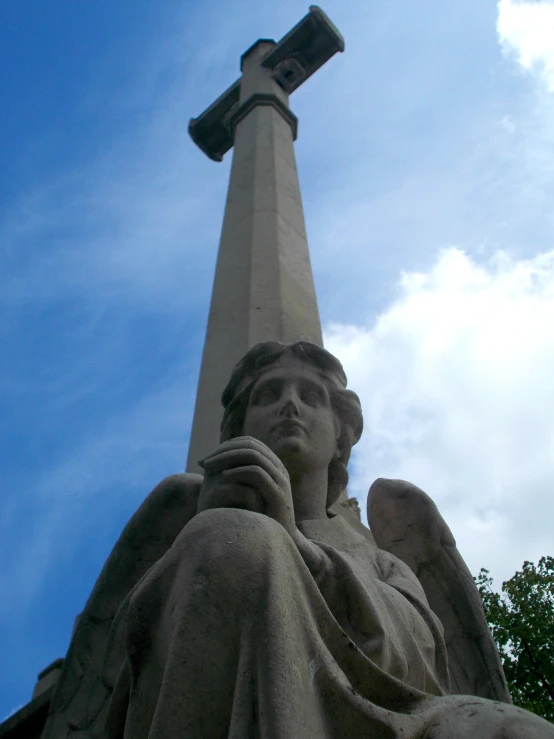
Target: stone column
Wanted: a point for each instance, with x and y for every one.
(263, 288)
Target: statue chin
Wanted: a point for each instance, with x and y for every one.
(291, 448)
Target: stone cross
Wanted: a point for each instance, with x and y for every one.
(263, 288)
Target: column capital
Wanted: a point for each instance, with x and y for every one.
(263, 98)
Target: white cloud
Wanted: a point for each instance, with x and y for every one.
(456, 379)
(526, 29)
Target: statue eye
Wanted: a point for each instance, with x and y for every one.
(311, 397)
(265, 397)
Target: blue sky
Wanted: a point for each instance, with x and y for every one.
(425, 155)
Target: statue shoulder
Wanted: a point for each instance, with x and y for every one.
(178, 490)
(163, 513)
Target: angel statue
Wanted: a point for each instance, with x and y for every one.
(251, 603)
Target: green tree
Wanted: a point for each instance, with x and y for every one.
(521, 620)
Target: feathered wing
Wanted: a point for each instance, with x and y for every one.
(90, 669)
(406, 522)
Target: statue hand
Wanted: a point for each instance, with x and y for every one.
(244, 473)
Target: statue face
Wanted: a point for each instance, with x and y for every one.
(290, 411)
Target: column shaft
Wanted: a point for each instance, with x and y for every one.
(263, 288)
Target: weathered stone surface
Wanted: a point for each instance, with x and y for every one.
(238, 605)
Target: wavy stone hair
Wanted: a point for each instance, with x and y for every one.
(345, 403)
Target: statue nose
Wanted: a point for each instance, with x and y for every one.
(289, 408)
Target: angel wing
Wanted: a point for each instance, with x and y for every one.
(406, 522)
(90, 669)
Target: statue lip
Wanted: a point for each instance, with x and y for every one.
(289, 424)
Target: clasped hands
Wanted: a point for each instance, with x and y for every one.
(244, 473)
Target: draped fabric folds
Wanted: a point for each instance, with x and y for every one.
(240, 631)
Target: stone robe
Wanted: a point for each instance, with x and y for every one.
(241, 631)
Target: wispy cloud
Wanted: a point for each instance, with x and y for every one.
(111, 470)
(127, 228)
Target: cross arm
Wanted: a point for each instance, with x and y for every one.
(300, 53)
(212, 131)
(305, 48)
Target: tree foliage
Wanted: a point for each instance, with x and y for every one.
(521, 620)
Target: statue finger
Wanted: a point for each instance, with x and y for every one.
(233, 458)
(251, 475)
(241, 457)
(265, 451)
(240, 443)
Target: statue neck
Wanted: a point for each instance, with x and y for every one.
(309, 494)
